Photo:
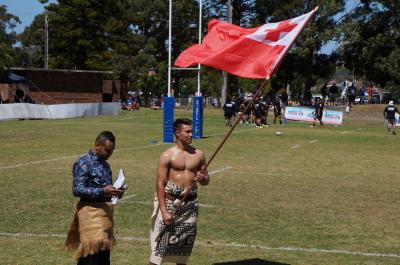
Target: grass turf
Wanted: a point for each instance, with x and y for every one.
(334, 188)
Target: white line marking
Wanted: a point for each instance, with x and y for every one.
(294, 249)
(73, 156)
(139, 202)
(262, 173)
(138, 147)
(219, 170)
(209, 243)
(206, 205)
(38, 162)
(295, 146)
(127, 197)
(313, 141)
(218, 134)
(345, 132)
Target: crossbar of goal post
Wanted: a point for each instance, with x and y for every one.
(168, 134)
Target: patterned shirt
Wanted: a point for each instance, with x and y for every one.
(90, 174)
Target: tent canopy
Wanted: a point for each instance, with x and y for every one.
(11, 78)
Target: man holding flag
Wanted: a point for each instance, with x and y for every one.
(252, 53)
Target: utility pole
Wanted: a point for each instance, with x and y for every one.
(224, 89)
(46, 37)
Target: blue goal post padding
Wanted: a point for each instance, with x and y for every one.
(168, 132)
(197, 117)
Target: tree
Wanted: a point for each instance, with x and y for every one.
(7, 38)
(371, 42)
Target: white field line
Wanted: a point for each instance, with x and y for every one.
(138, 147)
(345, 132)
(262, 173)
(245, 130)
(136, 202)
(127, 197)
(219, 170)
(73, 156)
(39, 161)
(151, 203)
(313, 141)
(231, 245)
(295, 146)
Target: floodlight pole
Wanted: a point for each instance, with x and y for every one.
(169, 47)
(224, 89)
(46, 36)
(200, 27)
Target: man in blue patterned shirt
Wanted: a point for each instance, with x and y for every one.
(91, 231)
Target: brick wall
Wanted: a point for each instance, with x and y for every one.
(61, 86)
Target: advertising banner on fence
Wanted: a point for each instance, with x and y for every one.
(59, 111)
(397, 120)
(307, 114)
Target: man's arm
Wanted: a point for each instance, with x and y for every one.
(161, 180)
(202, 176)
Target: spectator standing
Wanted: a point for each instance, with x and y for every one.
(370, 92)
(333, 92)
(343, 95)
(324, 90)
(352, 94)
(361, 94)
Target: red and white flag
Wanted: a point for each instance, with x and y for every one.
(246, 52)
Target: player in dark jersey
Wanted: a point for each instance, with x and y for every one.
(390, 115)
(278, 105)
(318, 112)
(259, 113)
(229, 111)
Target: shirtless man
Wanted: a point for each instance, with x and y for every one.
(174, 220)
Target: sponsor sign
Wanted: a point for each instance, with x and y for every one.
(307, 115)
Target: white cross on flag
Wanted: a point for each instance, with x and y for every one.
(246, 52)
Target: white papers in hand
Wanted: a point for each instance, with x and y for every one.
(118, 184)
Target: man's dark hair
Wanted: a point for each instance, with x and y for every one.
(104, 136)
(179, 122)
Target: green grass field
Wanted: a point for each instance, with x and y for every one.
(311, 196)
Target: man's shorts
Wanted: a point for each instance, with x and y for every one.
(391, 121)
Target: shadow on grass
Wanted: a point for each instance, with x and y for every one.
(251, 262)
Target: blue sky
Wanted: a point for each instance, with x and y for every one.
(26, 10)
